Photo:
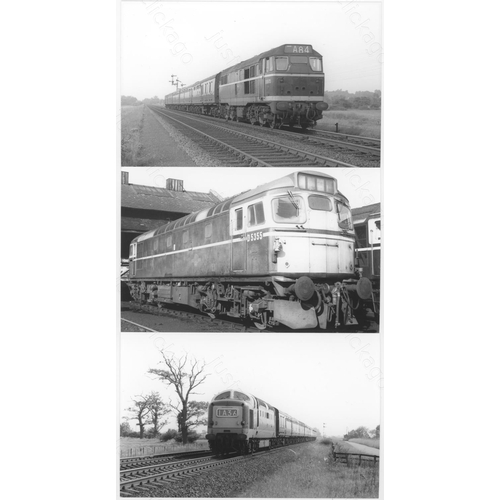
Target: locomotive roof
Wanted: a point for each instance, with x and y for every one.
(156, 198)
(273, 52)
(361, 214)
(287, 181)
(248, 62)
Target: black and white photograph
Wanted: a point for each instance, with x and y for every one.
(275, 249)
(250, 256)
(251, 416)
(238, 84)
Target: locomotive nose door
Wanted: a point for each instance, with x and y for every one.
(238, 241)
(324, 249)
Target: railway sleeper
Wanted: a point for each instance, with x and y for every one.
(297, 304)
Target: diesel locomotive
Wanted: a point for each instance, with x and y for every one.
(279, 254)
(283, 86)
(240, 422)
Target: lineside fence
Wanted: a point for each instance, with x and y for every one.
(158, 449)
(352, 459)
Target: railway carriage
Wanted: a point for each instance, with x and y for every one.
(282, 253)
(283, 86)
(238, 421)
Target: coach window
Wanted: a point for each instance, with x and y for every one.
(256, 214)
(317, 202)
(315, 63)
(289, 209)
(281, 63)
(345, 219)
(239, 219)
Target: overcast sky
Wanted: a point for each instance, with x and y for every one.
(360, 185)
(333, 379)
(194, 40)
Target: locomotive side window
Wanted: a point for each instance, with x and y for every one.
(315, 63)
(287, 209)
(239, 219)
(256, 214)
(185, 237)
(169, 241)
(281, 63)
(317, 202)
(345, 219)
(208, 230)
(269, 64)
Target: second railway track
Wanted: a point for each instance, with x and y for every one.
(234, 147)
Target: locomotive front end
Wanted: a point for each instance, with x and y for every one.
(228, 422)
(295, 90)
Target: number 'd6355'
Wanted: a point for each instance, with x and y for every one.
(254, 236)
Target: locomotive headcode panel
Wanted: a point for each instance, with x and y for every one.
(241, 422)
(279, 254)
(283, 86)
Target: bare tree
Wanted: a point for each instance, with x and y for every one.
(157, 410)
(140, 411)
(184, 375)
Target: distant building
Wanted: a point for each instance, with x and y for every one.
(144, 207)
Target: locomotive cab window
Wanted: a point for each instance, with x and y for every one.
(315, 63)
(240, 396)
(224, 395)
(256, 214)
(317, 202)
(289, 209)
(344, 213)
(281, 63)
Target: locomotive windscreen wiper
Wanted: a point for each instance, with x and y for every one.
(292, 199)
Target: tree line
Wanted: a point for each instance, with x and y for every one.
(342, 99)
(128, 100)
(363, 433)
(183, 374)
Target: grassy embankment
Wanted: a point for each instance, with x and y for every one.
(132, 121)
(374, 443)
(366, 123)
(314, 475)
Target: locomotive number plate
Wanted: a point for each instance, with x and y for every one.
(254, 236)
(226, 412)
(298, 49)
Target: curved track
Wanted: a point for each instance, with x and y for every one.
(236, 144)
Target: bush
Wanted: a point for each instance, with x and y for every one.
(191, 437)
(134, 434)
(326, 441)
(170, 434)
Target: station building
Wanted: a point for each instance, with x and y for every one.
(146, 207)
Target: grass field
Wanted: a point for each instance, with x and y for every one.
(374, 443)
(132, 120)
(353, 121)
(312, 475)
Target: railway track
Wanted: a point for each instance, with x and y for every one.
(222, 325)
(152, 460)
(233, 144)
(146, 477)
